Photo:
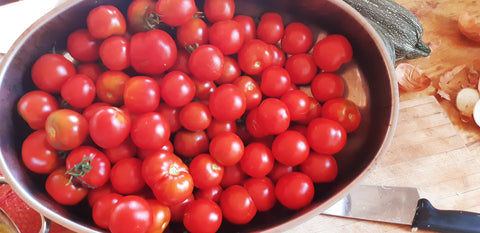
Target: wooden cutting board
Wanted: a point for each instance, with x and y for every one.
(427, 152)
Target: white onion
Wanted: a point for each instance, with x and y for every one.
(466, 100)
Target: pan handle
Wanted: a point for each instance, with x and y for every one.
(45, 222)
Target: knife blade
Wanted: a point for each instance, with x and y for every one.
(402, 205)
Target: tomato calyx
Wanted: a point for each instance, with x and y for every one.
(174, 170)
(79, 170)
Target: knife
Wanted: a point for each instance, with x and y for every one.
(402, 205)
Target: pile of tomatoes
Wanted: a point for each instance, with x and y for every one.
(167, 114)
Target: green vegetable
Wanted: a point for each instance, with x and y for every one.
(400, 28)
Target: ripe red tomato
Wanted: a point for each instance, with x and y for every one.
(195, 116)
(326, 136)
(314, 111)
(105, 21)
(150, 131)
(262, 191)
(275, 81)
(294, 190)
(62, 190)
(297, 38)
(181, 62)
(95, 194)
(126, 176)
(206, 171)
(227, 35)
(344, 111)
(109, 127)
(66, 129)
(331, 52)
(79, 91)
(270, 28)
(298, 104)
(216, 127)
(301, 67)
(227, 96)
(90, 69)
(175, 12)
(50, 71)
(35, 106)
(231, 71)
(190, 143)
(321, 168)
(290, 148)
(327, 86)
(152, 52)
(38, 155)
(237, 205)
(227, 148)
(278, 56)
(103, 208)
(138, 13)
(114, 52)
(206, 62)
(280, 169)
(177, 211)
(233, 175)
(211, 193)
(83, 46)
(161, 216)
(193, 32)
(254, 56)
(202, 216)
(248, 25)
(172, 115)
(177, 89)
(141, 94)
(110, 87)
(257, 160)
(203, 89)
(273, 116)
(251, 89)
(217, 10)
(131, 214)
(89, 166)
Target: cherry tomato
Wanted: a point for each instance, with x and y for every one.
(95, 194)
(206, 62)
(301, 67)
(294, 190)
(231, 71)
(152, 52)
(216, 127)
(38, 155)
(233, 175)
(131, 214)
(62, 190)
(254, 56)
(175, 12)
(326, 136)
(50, 71)
(270, 28)
(251, 89)
(297, 38)
(109, 127)
(321, 168)
(177, 89)
(181, 62)
(114, 52)
(262, 191)
(193, 32)
(227, 35)
(278, 170)
(35, 106)
(141, 94)
(203, 89)
(150, 131)
(142, 154)
(290, 148)
(298, 104)
(275, 81)
(177, 211)
(168, 177)
(103, 208)
(217, 10)
(273, 116)
(211, 193)
(202, 216)
(90, 69)
(92, 109)
(331, 52)
(89, 166)
(105, 21)
(126, 149)
(237, 205)
(206, 171)
(315, 110)
(126, 176)
(327, 86)
(79, 91)
(110, 87)
(161, 216)
(257, 160)
(83, 46)
(190, 143)
(248, 25)
(227, 148)
(138, 14)
(343, 111)
(253, 125)
(66, 129)
(172, 115)
(227, 96)
(278, 56)
(195, 116)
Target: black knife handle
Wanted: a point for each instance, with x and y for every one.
(429, 218)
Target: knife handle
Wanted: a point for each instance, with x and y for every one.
(429, 218)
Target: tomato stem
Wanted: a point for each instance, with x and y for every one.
(82, 168)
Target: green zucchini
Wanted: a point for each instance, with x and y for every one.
(400, 28)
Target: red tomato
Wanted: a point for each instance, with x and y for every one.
(301, 67)
(203, 89)
(103, 208)
(327, 86)
(177, 89)
(314, 111)
(298, 104)
(251, 89)
(270, 28)
(193, 32)
(89, 166)
(131, 214)
(177, 211)
(257, 160)
(142, 154)
(202, 216)
(79, 91)
(92, 109)
(262, 191)
(273, 116)
(206, 171)
(290, 148)
(62, 190)
(95, 194)
(211, 193)
(217, 10)
(331, 52)
(150, 131)
(50, 71)
(237, 205)
(126, 149)
(83, 46)
(294, 190)
(297, 38)
(216, 127)
(175, 12)
(161, 216)
(126, 176)
(105, 21)
(110, 87)
(248, 25)
(231, 70)
(141, 94)
(195, 116)
(278, 56)
(109, 127)
(227, 148)
(38, 155)
(227, 96)
(66, 129)
(227, 35)
(326, 136)
(172, 115)
(254, 56)
(90, 69)
(181, 62)
(279, 169)
(343, 111)
(275, 81)
(233, 175)
(168, 177)
(190, 143)
(114, 52)
(152, 52)
(35, 106)
(206, 62)
(253, 125)
(138, 13)
(321, 168)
